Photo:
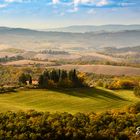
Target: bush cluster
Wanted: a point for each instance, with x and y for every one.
(64, 126)
(7, 89)
(117, 84)
(137, 91)
(121, 84)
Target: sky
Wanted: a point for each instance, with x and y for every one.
(43, 14)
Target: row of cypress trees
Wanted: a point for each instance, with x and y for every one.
(60, 78)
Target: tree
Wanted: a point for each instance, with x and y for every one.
(30, 80)
(77, 82)
(72, 75)
(23, 79)
(63, 75)
(46, 74)
(54, 75)
(42, 81)
(59, 73)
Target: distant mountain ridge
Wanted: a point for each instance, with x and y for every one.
(122, 50)
(77, 29)
(36, 40)
(92, 28)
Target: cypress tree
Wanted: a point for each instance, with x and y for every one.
(40, 81)
(64, 75)
(30, 80)
(54, 76)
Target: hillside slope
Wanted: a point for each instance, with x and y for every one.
(70, 100)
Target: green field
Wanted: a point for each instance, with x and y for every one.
(72, 100)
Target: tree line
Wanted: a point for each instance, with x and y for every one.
(54, 52)
(12, 58)
(55, 78)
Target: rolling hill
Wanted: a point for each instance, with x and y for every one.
(102, 69)
(37, 40)
(92, 28)
(67, 100)
(122, 50)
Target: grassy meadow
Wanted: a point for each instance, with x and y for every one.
(67, 100)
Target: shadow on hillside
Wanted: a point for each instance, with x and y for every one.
(91, 93)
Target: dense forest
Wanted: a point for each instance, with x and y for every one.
(40, 126)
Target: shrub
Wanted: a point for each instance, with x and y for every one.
(121, 84)
(51, 84)
(137, 90)
(7, 89)
(100, 83)
(127, 84)
(66, 83)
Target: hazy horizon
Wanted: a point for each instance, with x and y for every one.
(73, 25)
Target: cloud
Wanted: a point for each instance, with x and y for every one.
(55, 1)
(102, 3)
(73, 6)
(91, 11)
(13, 1)
(75, 9)
(20, 1)
(62, 14)
(78, 2)
(126, 4)
(3, 5)
(97, 3)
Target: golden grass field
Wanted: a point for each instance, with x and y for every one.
(67, 100)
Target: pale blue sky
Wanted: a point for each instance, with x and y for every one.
(58, 13)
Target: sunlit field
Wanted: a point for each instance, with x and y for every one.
(67, 100)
